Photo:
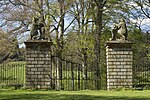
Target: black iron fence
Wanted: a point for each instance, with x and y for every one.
(141, 76)
(12, 73)
(67, 75)
(141, 68)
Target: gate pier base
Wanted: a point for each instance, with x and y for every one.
(38, 64)
(119, 57)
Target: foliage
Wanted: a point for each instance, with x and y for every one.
(64, 17)
(144, 6)
(147, 87)
(77, 28)
(9, 47)
(141, 61)
(141, 47)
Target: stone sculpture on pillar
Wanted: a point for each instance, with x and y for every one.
(38, 27)
(119, 29)
(119, 58)
(34, 29)
(114, 32)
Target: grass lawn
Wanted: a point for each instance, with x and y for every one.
(74, 95)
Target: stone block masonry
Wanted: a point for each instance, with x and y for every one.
(38, 64)
(119, 58)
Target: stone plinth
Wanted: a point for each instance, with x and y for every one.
(38, 64)
(119, 58)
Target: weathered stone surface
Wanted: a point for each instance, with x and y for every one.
(119, 64)
(38, 64)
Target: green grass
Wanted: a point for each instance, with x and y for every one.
(74, 95)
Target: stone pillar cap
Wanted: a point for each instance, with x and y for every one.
(38, 43)
(119, 44)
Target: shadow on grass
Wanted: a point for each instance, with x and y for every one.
(55, 96)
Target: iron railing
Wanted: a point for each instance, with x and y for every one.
(67, 75)
(12, 73)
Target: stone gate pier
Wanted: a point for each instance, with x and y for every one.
(38, 64)
(119, 57)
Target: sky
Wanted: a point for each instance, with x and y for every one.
(146, 25)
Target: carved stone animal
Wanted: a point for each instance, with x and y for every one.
(114, 32)
(41, 28)
(34, 29)
(122, 29)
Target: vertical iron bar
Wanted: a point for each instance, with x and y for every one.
(72, 74)
(24, 71)
(16, 64)
(7, 74)
(60, 72)
(82, 79)
(86, 75)
(66, 71)
(50, 77)
(67, 76)
(76, 76)
(79, 76)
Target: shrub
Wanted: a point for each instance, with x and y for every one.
(147, 87)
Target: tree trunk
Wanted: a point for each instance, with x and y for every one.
(98, 22)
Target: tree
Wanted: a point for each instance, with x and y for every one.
(99, 6)
(9, 48)
(77, 28)
(144, 6)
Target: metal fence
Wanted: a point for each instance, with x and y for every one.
(141, 68)
(12, 73)
(67, 75)
(141, 76)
